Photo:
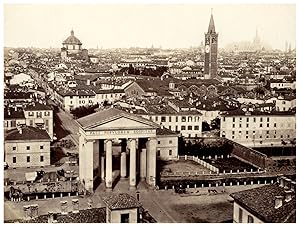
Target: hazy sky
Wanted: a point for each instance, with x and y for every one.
(169, 26)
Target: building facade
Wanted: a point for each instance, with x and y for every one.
(258, 129)
(27, 147)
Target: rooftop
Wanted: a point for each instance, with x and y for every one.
(72, 40)
(264, 207)
(37, 106)
(121, 201)
(12, 114)
(28, 133)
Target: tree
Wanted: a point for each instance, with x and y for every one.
(215, 123)
(205, 126)
(130, 69)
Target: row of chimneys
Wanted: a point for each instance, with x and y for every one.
(289, 188)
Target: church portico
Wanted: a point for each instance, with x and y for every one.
(98, 133)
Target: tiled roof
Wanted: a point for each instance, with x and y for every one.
(165, 131)
(94, 215)
(37, 106)
(18, 95)
(28, 133)
(121, 201)
(239, 112)
(110, 114)
(72, 40)
(261, 202)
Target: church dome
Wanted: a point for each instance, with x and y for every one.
(72, 40)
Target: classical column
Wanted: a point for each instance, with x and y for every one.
(100, 154)
(108, 169)
(81, 158)
(132, 168)
(143, 163)
(151, 161)
(123, 167)
(95, 154)
(89, 168)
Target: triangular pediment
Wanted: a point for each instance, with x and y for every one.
(122, 123)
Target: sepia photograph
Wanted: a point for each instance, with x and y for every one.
(172, 112)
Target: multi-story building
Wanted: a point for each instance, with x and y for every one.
(253, 128)
(27, 147)
(12, 118)
(274, 203)
(167, 144)
(39, 115)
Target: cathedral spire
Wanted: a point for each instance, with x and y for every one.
(211, 27)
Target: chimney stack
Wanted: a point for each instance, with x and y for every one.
(64, 207)
(278, 201)
(34, 211)
(88, 82)
(281, 181)
(293, 186)
(75, 206)
(27, 212)
(288, 195)
(50, 217)
(287, 183)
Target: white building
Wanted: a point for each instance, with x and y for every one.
(254, 128)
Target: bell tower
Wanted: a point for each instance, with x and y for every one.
(211, 51)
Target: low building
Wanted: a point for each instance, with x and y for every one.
(122, 208)
(167, 144)
(275, 203)
(27, 147)
(258, 129)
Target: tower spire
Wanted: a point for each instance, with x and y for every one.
(211, 27)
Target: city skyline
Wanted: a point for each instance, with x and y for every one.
(166, 26)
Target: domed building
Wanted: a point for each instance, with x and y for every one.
(72, 49)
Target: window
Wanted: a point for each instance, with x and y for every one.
(240, 119)
(183, 119)
(47, 113)
(232, 132)
(13, 124)
(170, 141)
(28, 148)
(261, 119)
(30, 122)
(254, 119)
(240, 125)
(41, 158)
(176, 119)
(170, 152)
(224, 118)
(14, 148)
(125, 218)
(176, 128)
(247, 137)
(267, 125)
(267, 132)
(190, 127)
(41, 147)
(30, 114)
(247, 125)
(196, 127)
(288, 136)
(233, 119)
(240, 215)
(170, 119)
(182, 127)
(158, 141)
(232, 137)
(163, 119)
(158, 152)
(250, 219)
(247, 132)
(247, 119)
(274, 125)
(14, 160)
(268, 119)
(156, 118)
(233, 126)
(260, 125)
(28, 158)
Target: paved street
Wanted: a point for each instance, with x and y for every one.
(68, 124)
